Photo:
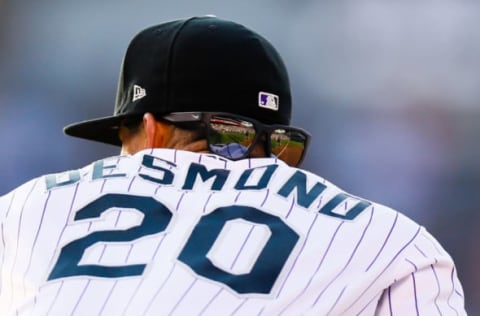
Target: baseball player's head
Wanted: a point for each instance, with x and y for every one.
(201, 84)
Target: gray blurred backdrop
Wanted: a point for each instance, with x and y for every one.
(388, 89)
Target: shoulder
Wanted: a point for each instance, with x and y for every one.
(18, 195)
(397, 230)
(31, 191)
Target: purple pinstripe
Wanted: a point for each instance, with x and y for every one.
(390, 300)
(420, 250)
(35, 240)
(386, 267)
(141, 282)
(66, 222)
(205, 205)
(242, 247)
(108, 296)
(415, 293)
(149, 305)
(347, 263)
(384, 243)
(413, 264)
(210, 301)
(183, 296)
(55, 297)
(58, 242)
(453, 291)
(291, 207)
(180, 200)
(266, 197)
(336, 301)
(366, 305)
(80, 297)
(316, 270)
(131, 183)
(18, 235)
(3, 252)
(3, 236)
(10, 205)
(298, 256)
(438, 289)
(239, 306)
(238, 196)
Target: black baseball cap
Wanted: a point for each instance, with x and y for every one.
(200, 64)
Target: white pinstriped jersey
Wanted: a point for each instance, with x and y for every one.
(168, 232)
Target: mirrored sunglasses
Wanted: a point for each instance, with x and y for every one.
(236, 137)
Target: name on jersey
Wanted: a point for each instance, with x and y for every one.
(164, 172)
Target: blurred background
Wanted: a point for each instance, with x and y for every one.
(388, 89)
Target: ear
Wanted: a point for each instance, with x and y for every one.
(157, 133)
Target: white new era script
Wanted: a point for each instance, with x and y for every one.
(138, 93)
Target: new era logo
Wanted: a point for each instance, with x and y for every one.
(268, 101)
(138, 93)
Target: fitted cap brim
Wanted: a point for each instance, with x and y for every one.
(103, 130)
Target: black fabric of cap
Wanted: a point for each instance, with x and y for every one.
(202, 64)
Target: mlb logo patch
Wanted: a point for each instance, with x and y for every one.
(268, 100)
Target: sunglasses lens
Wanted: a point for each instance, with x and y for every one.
(288, 145)
(230, 137)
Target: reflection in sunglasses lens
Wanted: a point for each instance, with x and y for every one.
(287, 145)
(232, 137)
